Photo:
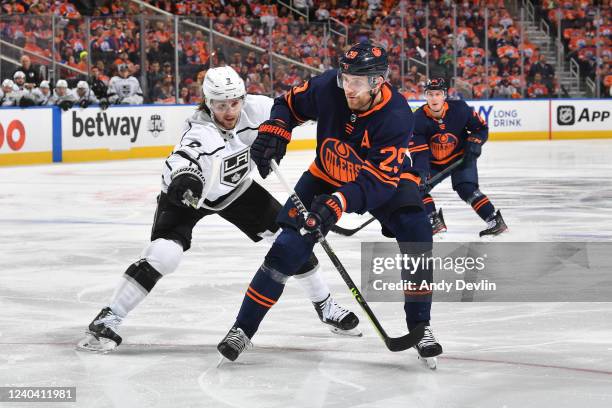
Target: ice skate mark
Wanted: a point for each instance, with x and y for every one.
(534, 365)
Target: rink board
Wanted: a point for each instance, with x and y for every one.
(26, 136)
(47, 134)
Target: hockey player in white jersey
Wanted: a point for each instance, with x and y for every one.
(124, 89)
(209, 172)
(85, 96)
(62, 96)
(8, 95)
(43, 93)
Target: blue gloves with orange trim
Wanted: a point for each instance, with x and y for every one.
(271, 143)
(325, 211)
(473, 148)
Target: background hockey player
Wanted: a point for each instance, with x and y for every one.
(8, 95)
(224, 126)
(363, 129)
(85, 96)
(62, 96)
(124, 89)
(446, 131)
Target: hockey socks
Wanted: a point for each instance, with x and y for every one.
(313, 285)
(263, 292)
(483, 207)
(133, 287)
(430, 205)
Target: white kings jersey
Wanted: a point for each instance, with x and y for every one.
(202, 140)
(121, 88)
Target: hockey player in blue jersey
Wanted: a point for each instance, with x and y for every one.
(362, 165)
(444, 132)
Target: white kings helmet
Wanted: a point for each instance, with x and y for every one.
(222, 83)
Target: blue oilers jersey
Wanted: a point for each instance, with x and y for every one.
(441, 141)
(364, 155)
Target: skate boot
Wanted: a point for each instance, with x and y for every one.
(234, 343)
(102, 334)
(339, 320)
(495, 225)
(437, 222)
(428, 348)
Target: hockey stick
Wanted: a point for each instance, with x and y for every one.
(429, 185)
(393, 343)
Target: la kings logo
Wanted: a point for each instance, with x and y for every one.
(235, 168)
(156, 125)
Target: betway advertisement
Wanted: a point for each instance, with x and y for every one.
(121, 132)
(26, 135)
(511, 119)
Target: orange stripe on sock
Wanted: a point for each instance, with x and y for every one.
(262, 297)
(481, 203)
(258, 301)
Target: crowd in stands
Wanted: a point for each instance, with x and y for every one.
(585, 24)
(123, 34)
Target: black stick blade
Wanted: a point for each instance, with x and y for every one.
(405, 342)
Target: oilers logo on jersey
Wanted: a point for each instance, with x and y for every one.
(340, 160)
(442, 145)
(235, 168)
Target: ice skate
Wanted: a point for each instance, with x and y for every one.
(102, 335)
(437, 222)
(233, 344)
(337, 318)
(495, 225)
(428, 349)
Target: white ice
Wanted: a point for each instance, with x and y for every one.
(68, 232)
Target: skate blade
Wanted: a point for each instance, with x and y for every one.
(355, 332)
(429, 362)
(222, 361)
(94, 345)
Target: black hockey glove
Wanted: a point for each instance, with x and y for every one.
(65, 105)
(324, 213)
(84, 103)
(26, 102)
(473, 148)
(271, 143)
(186, 187)
(104, 104)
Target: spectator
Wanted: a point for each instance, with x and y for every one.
(124, 89)
(165, 93)
(154, 75)
(537, 89)
(543, 68)
(31, 72)
(184, 96)
(505, 90)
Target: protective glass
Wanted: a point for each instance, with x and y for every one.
(356, 83)
(224, 106)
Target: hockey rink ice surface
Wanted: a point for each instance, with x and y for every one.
(68, 232)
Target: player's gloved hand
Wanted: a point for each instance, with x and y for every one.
(324, 213)
(472, 149)
(84, 103)
(186, 187)
(65, 105)
(26, 102)
(104, 104)
(270, 144)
